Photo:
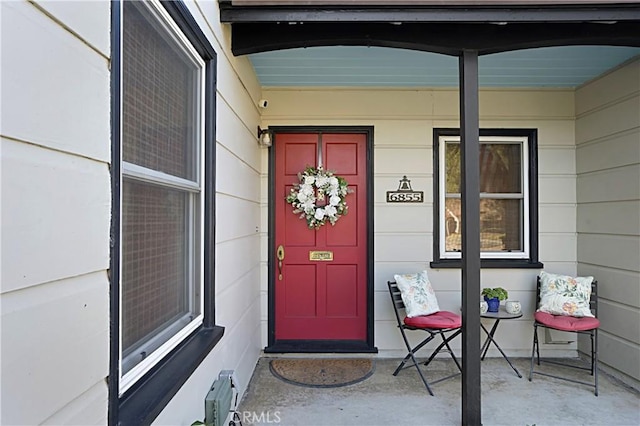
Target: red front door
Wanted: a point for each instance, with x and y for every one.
(321, 300)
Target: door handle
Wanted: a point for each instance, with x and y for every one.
(280, 256)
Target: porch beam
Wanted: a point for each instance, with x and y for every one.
(445, 38)
(470, 195)
(340, 13)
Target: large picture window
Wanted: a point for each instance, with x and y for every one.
(508, 198)
(163, 159)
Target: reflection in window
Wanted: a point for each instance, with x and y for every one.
(502, 196)
(506, 190)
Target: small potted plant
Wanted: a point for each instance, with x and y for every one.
(493, 296)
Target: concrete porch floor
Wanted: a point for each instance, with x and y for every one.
(383, 399)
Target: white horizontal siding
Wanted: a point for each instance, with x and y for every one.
(622, 149)
(404, 247)
(557, 218)
(395, 133)
(618, 184)
(235, 177)
(610, 88)
(237, 135)
(90, 408)
(242, 218)
(557, 189)
(57, 95)
(556, 133)
(232, 258)
(619, 354)
(242, 298)
(615, 251)
(90, 20)
(619, 117)
(347, 104)
(617, 285)
(557, 247)
(411, 218)
(608, 215)
(56, 203)
(621, 319)
(55, 347)
(404, 160)
(614, 218)
(526, 104)
(232, 91)
(557, 160)
(58, 206)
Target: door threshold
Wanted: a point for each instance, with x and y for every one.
(320, 346)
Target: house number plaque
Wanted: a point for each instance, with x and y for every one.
(321, 256)
(405, 194)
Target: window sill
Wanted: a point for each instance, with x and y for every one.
(488, 264)
(146, 399)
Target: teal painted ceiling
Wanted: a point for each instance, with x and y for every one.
(562, 67)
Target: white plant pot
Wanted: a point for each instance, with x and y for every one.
(513, 306)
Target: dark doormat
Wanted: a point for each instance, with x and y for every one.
(322, 372)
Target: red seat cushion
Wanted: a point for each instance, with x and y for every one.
(567, 323)
(439, 320)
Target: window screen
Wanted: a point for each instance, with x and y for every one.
(161, 201)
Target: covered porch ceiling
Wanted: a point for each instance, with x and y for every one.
(357, 66)
(413, 43)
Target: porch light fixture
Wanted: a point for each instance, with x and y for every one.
(264, 137)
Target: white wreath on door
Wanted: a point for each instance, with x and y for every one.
(319, 197)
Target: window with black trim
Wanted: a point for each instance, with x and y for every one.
(163, 159)
(162, 189)
(508, 198)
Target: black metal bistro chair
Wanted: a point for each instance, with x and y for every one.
(579, 325)
(443, 323)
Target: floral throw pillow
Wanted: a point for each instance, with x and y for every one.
(417, 294)
(565, 295)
